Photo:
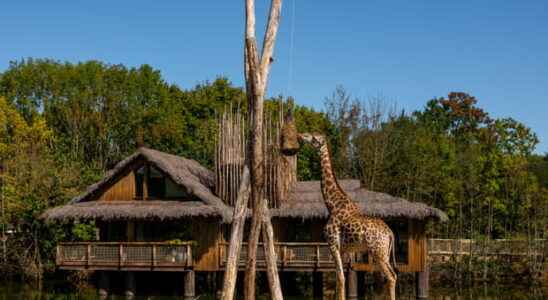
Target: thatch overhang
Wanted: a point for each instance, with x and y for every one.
(193, 177)
(305, 201)
(154, 210)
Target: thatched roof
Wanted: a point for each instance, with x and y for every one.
(193, 177)
(305, 201)
(136, 210)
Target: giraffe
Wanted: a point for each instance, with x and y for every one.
(347, 229)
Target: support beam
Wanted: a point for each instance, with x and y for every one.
(189, 287)
(236, 236)
(317, 285)
(131, 286)
(422, 283)
(352, 281)
(103, 285)
(219, 285)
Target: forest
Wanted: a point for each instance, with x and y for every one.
(63, 125)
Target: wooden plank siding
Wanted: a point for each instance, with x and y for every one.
(417, 251)
(207, 234)
(122, 189)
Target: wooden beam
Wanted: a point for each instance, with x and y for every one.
(131, 286)
(317, 282)
(189, 285)
(270, 254)
(236, 236)
(103, 285)
(422, 283)
(352, 282)
(256, 74)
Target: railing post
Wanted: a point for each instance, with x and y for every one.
(58, 258)
(188, 255)
(120, 255)
(284, 256)
(153, 255)
(317, 256)
(88, 254)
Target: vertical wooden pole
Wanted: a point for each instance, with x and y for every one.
(422, 283)
(103, 284)
(189, 285)
(317, 288)
(270, 254)
(236, 236)
(219, 285)
(130, 285)
(352, 281)
(256, 73)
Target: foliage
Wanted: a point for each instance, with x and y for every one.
(62, 125)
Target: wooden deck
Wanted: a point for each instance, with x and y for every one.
(291, 256)
(153, 256)
(125, 256)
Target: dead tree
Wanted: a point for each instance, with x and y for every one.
(236, 235)
(256, 73)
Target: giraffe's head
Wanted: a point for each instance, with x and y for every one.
(314, 139)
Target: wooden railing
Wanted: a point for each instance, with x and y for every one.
(125, 256)
(291, 255)
(491, 247)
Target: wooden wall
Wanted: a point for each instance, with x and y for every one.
(122, 190)
(207, 234)
(417, 249)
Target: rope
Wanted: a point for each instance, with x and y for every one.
(291, 48)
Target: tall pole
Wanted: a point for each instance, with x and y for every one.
(256, 75)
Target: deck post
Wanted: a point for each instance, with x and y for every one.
(189, 285)
(131, 286)
(219, 276)
(422, 283)
(317, 282)
(352, 287)
(103, 285)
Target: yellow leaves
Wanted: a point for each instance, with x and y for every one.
(16, 134)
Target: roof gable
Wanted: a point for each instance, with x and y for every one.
(196, 179)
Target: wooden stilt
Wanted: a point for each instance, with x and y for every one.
(219, 285)
(352, 286)
(189, 291)
(317, 282)
(422, 283)
(130, 285)
(103, 284)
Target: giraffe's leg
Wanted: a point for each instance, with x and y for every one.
(334, 240)
(391, 276)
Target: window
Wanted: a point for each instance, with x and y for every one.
(159, 186)
(139, 180)
(156, 184)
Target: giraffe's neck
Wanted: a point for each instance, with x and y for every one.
(332, 192)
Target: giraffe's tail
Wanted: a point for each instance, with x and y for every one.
(393, 253)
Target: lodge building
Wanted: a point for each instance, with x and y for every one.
(158, 212)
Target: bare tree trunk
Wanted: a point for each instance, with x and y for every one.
(270, 254)
(236, 235)
(256, 72)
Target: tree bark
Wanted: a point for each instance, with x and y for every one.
(270, 254)
(236, 235)
(256, 73)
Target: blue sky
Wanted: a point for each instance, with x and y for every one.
(404, 51)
